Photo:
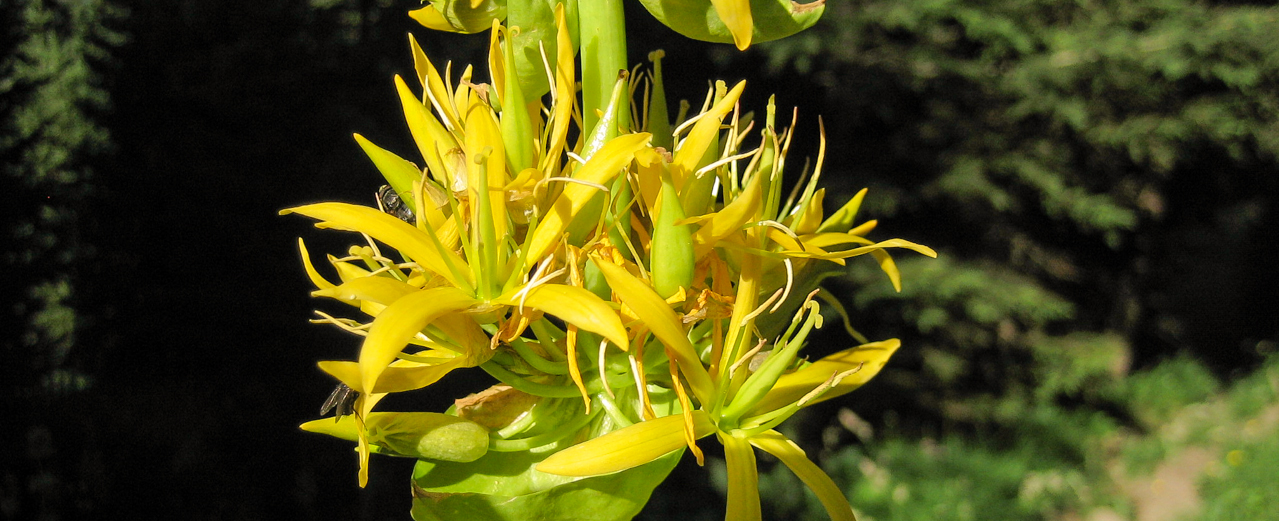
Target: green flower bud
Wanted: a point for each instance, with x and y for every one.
(421, 435)
(671, 260)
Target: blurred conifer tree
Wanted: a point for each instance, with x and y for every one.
(51, 95)
(1101, 179)
(1101, 176)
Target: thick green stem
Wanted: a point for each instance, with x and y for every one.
(602, 26)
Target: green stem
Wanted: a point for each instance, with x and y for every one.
(602, 26)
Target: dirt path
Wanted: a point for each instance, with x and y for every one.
(1171, 491)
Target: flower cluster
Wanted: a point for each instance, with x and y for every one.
(633, 285)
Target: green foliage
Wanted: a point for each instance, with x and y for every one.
(951, 479)
(1155, 395)
(48, 129)
(1059, 155)
(1243, 484)
(1100, 181)
(1245, 490)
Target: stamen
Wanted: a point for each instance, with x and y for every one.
(523, 293)
(790, 281)
(717, 164)
(829, 384)
(779, 226)
(372, 244)
(706, 105)
(603, 374)
(546, 66)
(759, 310)
(746, 357)
(346, 324)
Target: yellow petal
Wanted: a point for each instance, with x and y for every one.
(811, 216)
(662, 321)
(843, 218)
(575, 306)
(400, 321)
(346, 372)
(600, 170)
(400, 377)
(380, 290)
(430, 18)
(565, 96)
(736, 15)
(827, 491)
(693, 147)
(398, 234)
(889, 267)
(837, 255)
(868, 359)
(484, 137)
(743, 479)
(433, 84)
(743, 209)
(625, 448)
(429, 134)
(320, 282)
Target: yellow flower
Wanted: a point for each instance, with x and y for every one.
(743, 381)
(465, 266)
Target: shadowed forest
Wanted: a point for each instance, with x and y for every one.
(1098, 339)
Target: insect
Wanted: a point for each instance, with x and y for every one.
(390, 202)
(343, 399)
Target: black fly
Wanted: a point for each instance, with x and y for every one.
(343, 398)
(391, 203)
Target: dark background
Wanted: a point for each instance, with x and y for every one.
(1100, 181)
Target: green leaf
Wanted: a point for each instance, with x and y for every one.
(503, 486)
(535, 20)
(460, 16)
(772, 19)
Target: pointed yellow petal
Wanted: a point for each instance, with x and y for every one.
(693, 147)
(396, 233)
(625, 448)
(565, 96)
(432, 19)
(429, 134)
(868, 359)
(319, 281)
(889, 267)
(575, 306)
(484, 137)
(662, 321)
(407, 376)
(380, 290)
(736, 15)
(600, 170)
(811, 217)
(843, 218)
(743, 209)
(743, 479)
(827, 491)
(398, 172)
(346, 372)
(347, 271)
(433, 84)
(400, 321)
(826, 240)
